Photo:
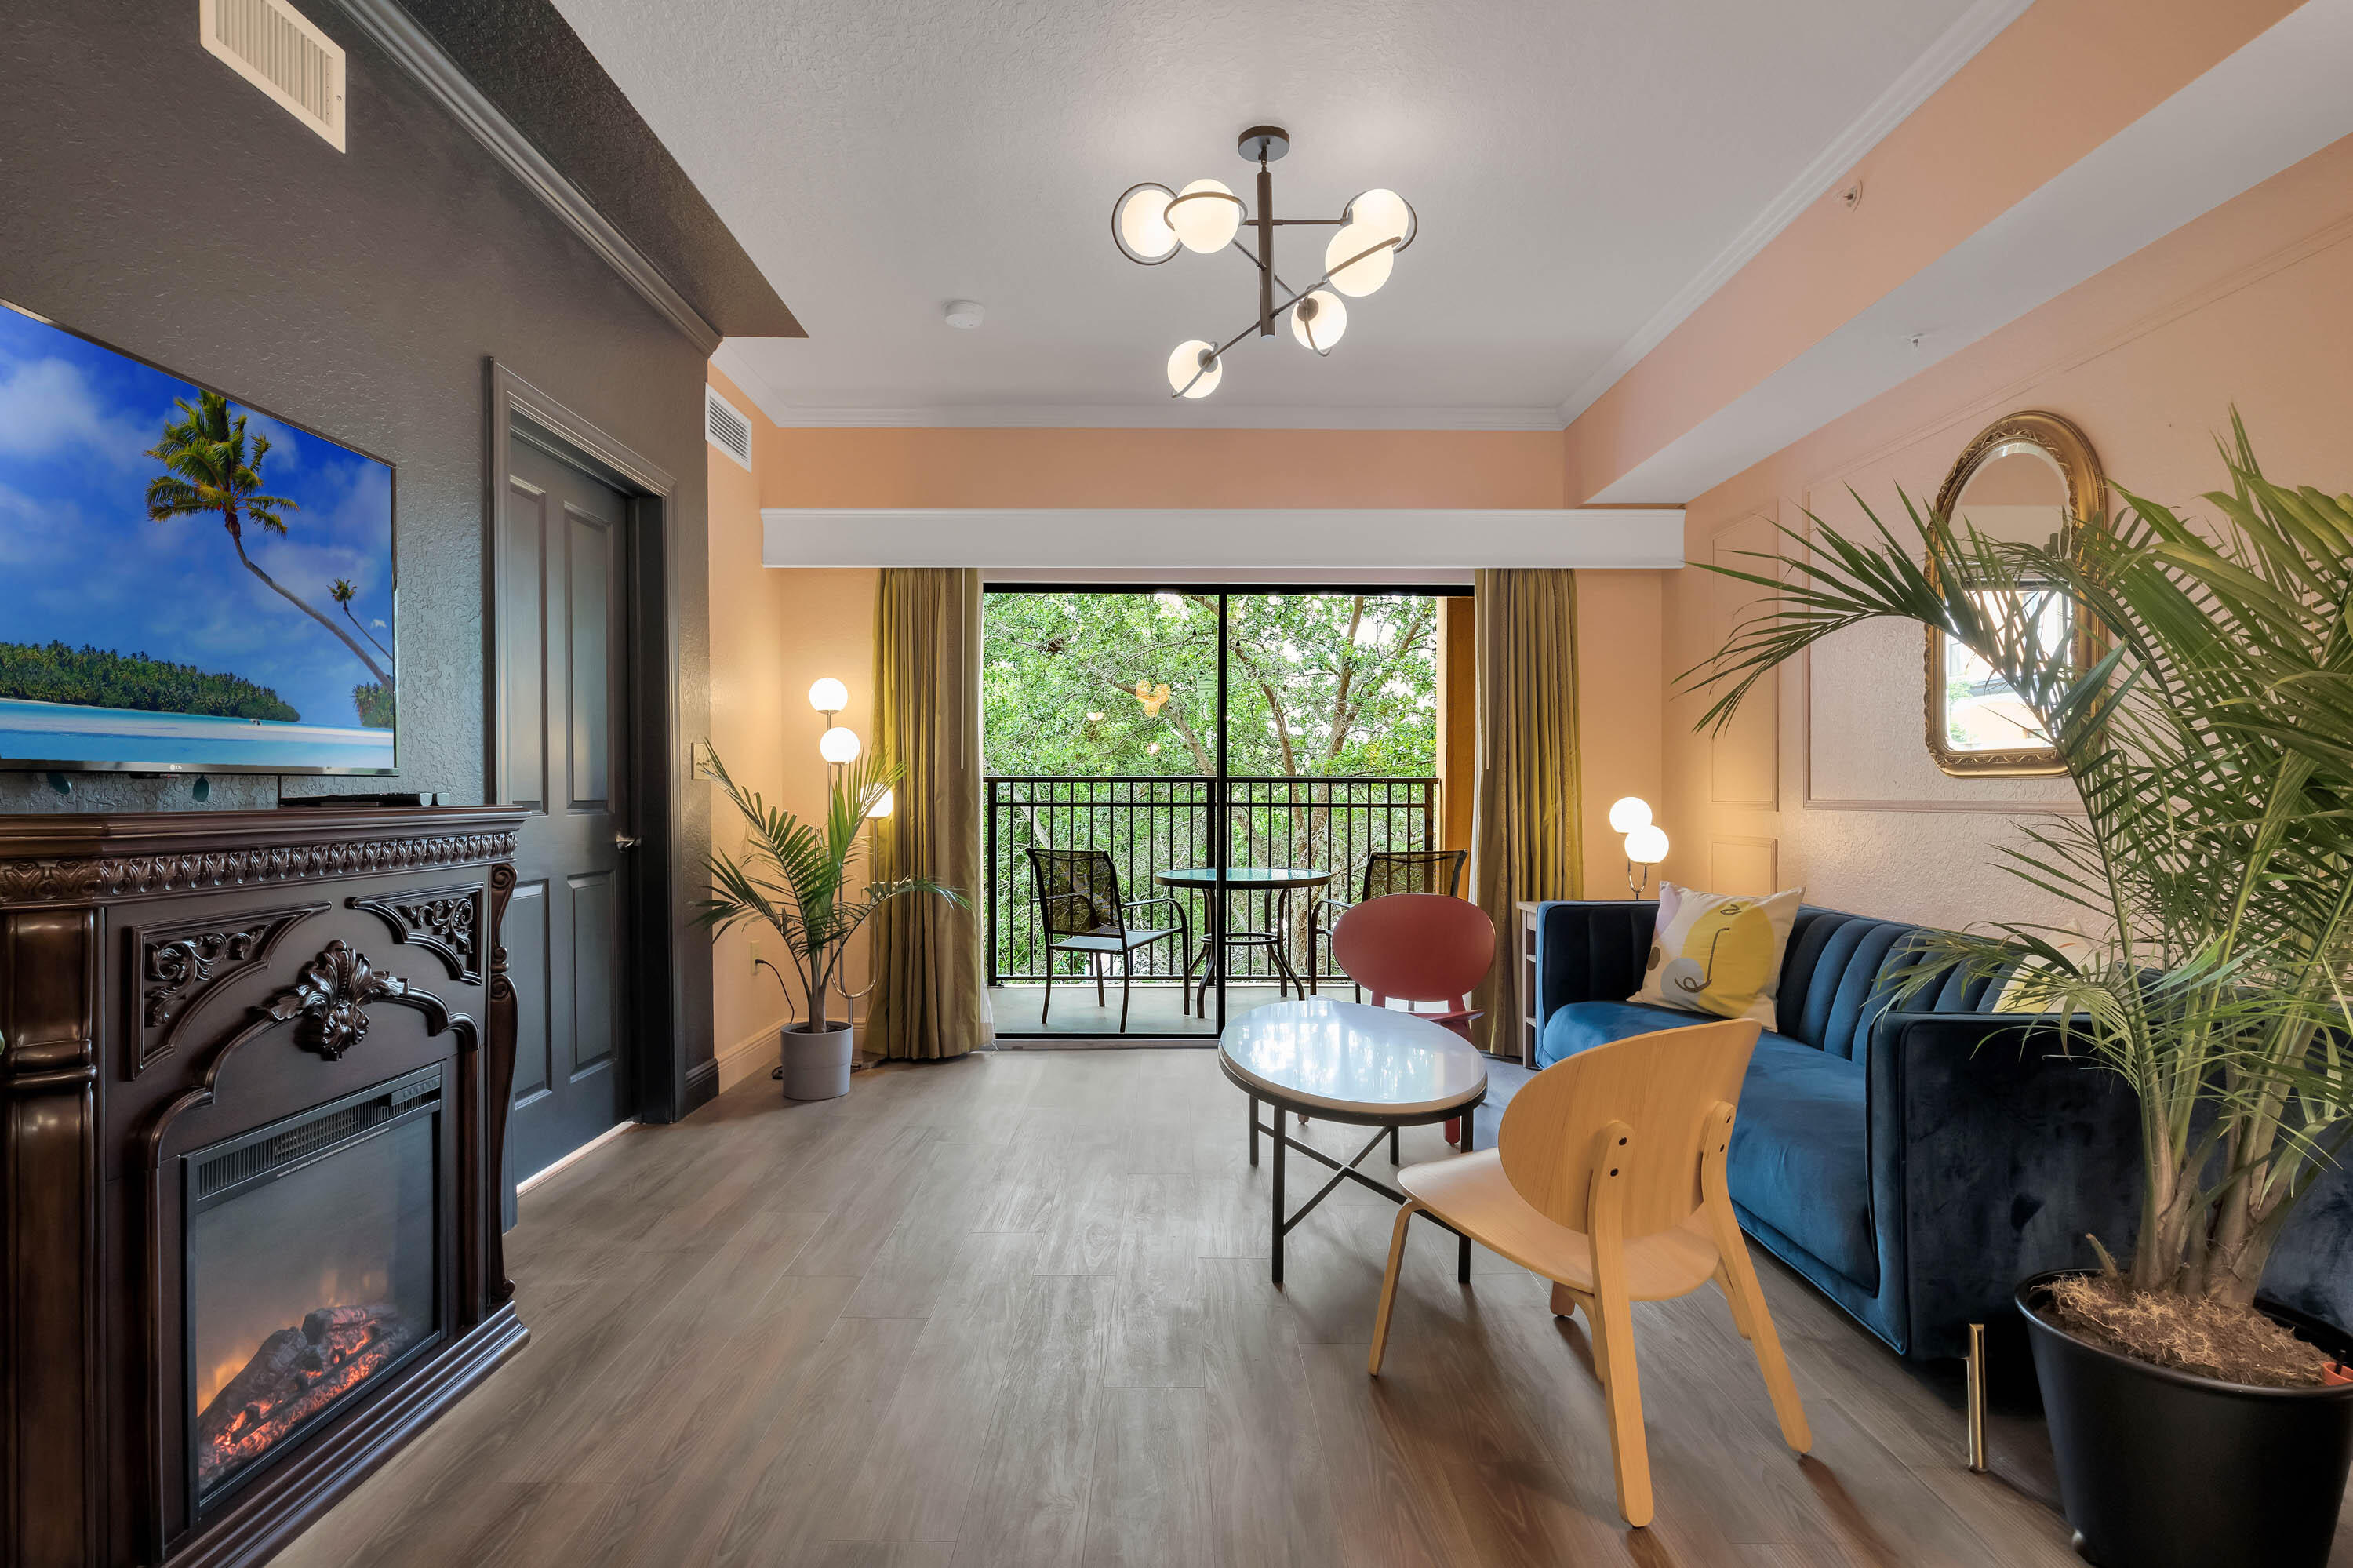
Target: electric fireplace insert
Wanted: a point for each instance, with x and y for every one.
(314, 1271)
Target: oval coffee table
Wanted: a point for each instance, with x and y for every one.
(1346, 1062)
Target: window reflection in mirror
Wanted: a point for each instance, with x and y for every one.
(2015, 490)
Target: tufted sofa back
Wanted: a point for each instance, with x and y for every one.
(1840, 972)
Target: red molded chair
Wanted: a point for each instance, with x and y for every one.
(1418, 948)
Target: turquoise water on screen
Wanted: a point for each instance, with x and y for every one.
(60, 732)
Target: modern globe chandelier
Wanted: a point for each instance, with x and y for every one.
(1151, 223)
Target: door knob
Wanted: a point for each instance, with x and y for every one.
(625, 841)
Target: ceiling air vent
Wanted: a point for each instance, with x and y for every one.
(724, 427)
(274, 47)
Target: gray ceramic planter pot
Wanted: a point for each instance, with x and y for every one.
(816, 1066)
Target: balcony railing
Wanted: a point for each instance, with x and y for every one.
(1152, 824)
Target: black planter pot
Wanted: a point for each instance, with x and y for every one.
(2161, 1468)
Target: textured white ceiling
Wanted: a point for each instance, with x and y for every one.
(1577, 165)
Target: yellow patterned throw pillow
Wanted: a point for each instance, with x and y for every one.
(1718, 953)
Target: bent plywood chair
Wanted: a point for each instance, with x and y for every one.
(1607, 1178)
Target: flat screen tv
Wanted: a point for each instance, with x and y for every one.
(188, 584)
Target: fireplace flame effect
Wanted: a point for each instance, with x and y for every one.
(296, 1373)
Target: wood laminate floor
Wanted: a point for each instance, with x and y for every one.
(1014, 1309)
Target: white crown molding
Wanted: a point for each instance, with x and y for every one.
(1237, 541)
(416, 52)
(1955, 48)
(730, 361)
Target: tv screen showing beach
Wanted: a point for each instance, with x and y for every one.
(185, 583)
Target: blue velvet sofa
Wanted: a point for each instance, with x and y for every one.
(1915, 1163)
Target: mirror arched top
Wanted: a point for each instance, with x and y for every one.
(2024, 478)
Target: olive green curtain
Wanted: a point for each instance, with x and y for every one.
(1525, 842)
(927, 999)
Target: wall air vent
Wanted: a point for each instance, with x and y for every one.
(724, 427)
(274, 47)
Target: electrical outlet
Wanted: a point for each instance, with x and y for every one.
(699, 758)
(756, 955)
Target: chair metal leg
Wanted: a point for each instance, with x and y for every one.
(1095, 962)
(1045, 1008)
(1126, 973)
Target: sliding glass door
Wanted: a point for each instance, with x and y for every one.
(1184, 785)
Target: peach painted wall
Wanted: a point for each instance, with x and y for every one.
(2251, 304)
(771, 633)
(1619, 625)
(2060, 80)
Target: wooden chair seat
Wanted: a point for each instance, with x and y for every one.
(1472, 1193)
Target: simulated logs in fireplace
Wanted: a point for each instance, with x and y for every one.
(311, 1254)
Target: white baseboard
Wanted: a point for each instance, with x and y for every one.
(599, 1141)
(749, 1056)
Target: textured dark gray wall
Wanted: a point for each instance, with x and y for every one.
(156, 200)
(150, 198)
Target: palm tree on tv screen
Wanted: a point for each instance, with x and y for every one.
(214, 469)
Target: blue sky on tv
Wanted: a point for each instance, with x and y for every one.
(80, 562)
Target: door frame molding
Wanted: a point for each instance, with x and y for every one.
(660, 1086)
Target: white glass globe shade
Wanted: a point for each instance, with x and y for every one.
(828, 695)
(1186, 360)
(882, 807)
(1384, 215)
(1142, 222)
(1320, 329)
(1628, 813)
(1206, 224)
(1647, 845)
(838, 745)
(1360, 278)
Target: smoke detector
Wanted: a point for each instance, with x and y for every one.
(965, 314)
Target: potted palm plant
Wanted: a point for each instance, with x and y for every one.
(2211, 749)
(795, 878)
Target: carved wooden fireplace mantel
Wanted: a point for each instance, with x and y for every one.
(193, 1006)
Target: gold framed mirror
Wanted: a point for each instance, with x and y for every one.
(2025, 478)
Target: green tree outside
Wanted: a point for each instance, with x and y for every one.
(1321, 685)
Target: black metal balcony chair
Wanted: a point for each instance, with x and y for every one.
(1386, 871)
(1078, 898)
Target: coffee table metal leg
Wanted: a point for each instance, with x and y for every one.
(1253, 1110)
(1393, 1146)
(1462, 1255)
(1281, 1141)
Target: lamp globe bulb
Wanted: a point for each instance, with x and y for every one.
(1208, 220)
(1384, 215)
(1628, 813)
(882, 806)
(838, 745)
(1140, 224)
(1318, 320)
(828, 695)
(1367, 273)
(1647, 845)
(1188, 361)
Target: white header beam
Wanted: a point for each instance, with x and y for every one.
(1231, 541)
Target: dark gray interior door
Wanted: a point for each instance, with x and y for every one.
(562, 574)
